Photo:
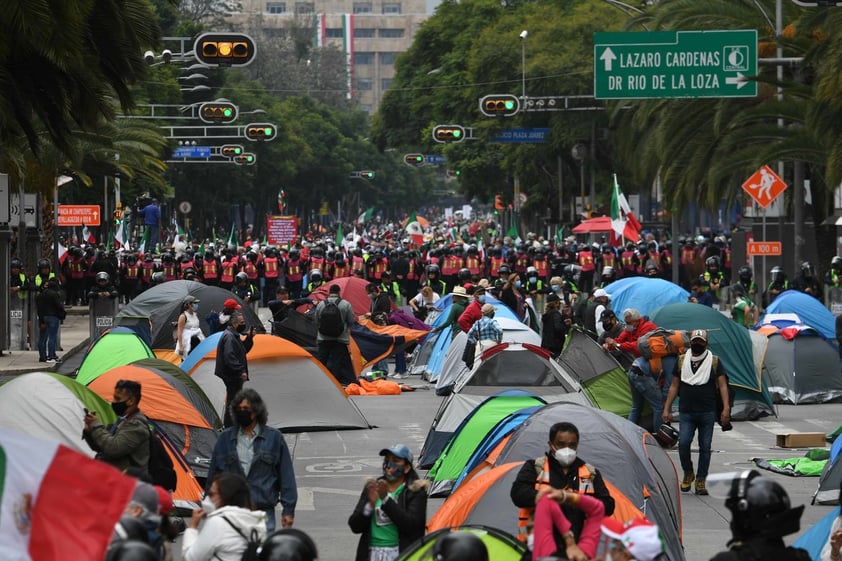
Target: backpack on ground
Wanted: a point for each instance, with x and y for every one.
(252, 542)
(331, 323)
(161, 470)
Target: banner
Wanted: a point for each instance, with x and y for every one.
(280, 230)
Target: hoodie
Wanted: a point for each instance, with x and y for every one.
(216, 539)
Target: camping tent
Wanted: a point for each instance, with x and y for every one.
(644, 294)
(802, 367)
(299, 393)
(809, 310)
(352, 289)
(830, 481)
(814, 539)
(470, 433)
(604, 224)
(733, 344)
(162, 305)
(500, 545)
(173, 402)
(628, 457)
(117, 347)
(453, 369)
(603, 379)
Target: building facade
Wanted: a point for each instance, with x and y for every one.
(372, 33)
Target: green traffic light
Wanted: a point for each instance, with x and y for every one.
(227, 112)
(458, 172)
(510, 104)
(250, 158)
(238, 151)
(457, 133)
(267, 131)
(419, 159)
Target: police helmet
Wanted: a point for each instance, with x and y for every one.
(531, 271)
(777, 274)
(504, 270)
(241, 277)
(464, 274)
(44, 264)
(147, 257)
(340, 258)
(158, 277)
(608, 271)
(103, 278)
(289, 544)
(294, 254)
(459, 546)
(316, 275)
(745, 273)
(712, 261)
(432, 269)
(651, 267)
(607, 248)
(836, 262)
(16, 263)
(807, 269)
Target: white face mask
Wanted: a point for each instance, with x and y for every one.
(565, 456)
(207, 505)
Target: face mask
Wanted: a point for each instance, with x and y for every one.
(629, 327)
(698, 349)
(481, 299)
(243, 418)
(555, 287)
(517, 284)
(392, 471)
(119, 407)
(533, 280)
(241, 328)
(565, 456)
(207, 505)
(195, 308)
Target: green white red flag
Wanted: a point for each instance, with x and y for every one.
(622, 217)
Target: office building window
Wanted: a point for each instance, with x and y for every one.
(391, 7)
(305, 8)
(363, 33)
(334, 33)
(366, 107)
(276, 7)
(362, 7)
(385, 84)
(363, 58)
(388, 59)
(391, 33)
(363, 84)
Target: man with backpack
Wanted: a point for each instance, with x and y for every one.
(334, 318)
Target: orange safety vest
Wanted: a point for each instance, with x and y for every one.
(271, 269)
(666, 256)
(380, 267)
(521, 262)
(448, 267)
(586, 261)
(76, 269)
(412, 274)
(229, 269)
(170, 272)
(90, 272)
(317, 263)
(627, 259)
(726, 263)
(146, 270)
(132, 272)
(340, 271)
(294, 270)
(250, 270)
(688, 255)
(525, 519)
(357, 264)
(209, 269)
(608, 260)
(542, 267)
(473, 265)
(655, 257)
(496, 263)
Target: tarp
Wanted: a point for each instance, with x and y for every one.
(352, 289)
(809, 310)
(118, 347)
(802, 369)
(299, 393)
(816, 536)
(603, 379)
(464, 441)
(162, 304)
(453, 368)
(733, 344)
(644, 294)
(627, 456)
(795, 467)
(500, 545)
(604, 224)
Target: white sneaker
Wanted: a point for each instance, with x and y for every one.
(403, 376)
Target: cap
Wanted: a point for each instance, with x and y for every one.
(600, 293)
(146, 496)
(460, 291)
(639, 536)
(607, 314)
(190, 298)
(699, 334)
(164, 500)
(552, 297)
(231, 304)
(399, 451)
(487, 309)
(334, 289)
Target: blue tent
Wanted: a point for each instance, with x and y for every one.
(644, 294)
(809, 310)
(813, 540)
(201, 351)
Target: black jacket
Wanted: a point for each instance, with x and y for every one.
(409, 513)
(231, 355)
(553, 332)
(49, 303)
(761, 549)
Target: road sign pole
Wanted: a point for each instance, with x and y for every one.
(763, 229)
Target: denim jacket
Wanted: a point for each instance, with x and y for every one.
(271, 477)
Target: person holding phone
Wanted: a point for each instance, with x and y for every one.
(231, 363)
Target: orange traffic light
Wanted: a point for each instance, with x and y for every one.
(225, 49)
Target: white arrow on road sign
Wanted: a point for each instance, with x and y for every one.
(739, 80)
(608, 57)
(95, 215)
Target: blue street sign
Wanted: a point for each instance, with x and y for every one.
(521, 135)
(192, 152)
(434, 159)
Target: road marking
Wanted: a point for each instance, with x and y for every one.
(306, 496)
(745, 440)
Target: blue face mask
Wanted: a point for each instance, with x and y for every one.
(481, 299)
(517, 284)
(555, 287)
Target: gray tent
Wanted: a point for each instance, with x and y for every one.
(802, 369)
(162, 304)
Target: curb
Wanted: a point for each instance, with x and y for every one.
(47, 367)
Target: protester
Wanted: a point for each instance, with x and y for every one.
(553, 330)
(423, 302)
(334, 318)
(257, 452)
(51, 313)
(392, 509)
(152, 220)
(744, 311)
(458, 305)
(282, 306)
(220, 529)
(231, 364)
(144, 506)
(634, 540)
(559, 473)
(188, 328)
(612, 327)
(699, 294)
(698, 375)
(511, 296)
(486, 332)
(125, 444)
(289, 544)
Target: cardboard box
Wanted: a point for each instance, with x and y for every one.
(802, 440)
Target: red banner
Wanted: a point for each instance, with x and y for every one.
(280, 230)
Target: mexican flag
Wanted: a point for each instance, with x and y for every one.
(120, 237)
(62, 253)
(622, 217)
(55, 503)
(414, 229)
(282, 200)
(366, 216)
(512, 233)
(142, 247)
(87, 235)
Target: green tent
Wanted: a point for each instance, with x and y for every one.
(470, 433)
(603, 379)
(732, 343)
(118, 347)
(501, 546)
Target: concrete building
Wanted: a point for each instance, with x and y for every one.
(371, 32)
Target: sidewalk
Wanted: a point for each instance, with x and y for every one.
(74, 337)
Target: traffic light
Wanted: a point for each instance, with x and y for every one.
(231, 150)
(414, 160)
(499, 105)
(245, 159)
(261, 131)
(118, 215)
(218, 112)
(454, 173)
(367, 174)
(225, 49)
(448, 133)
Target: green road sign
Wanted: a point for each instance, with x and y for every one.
(665, 64)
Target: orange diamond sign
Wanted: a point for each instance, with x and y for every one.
(764, 186)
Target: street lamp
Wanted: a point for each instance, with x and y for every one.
(199, 88)
(523, 35)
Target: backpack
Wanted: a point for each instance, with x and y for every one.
(212, 320)
(252, 542)
(331, 323)
(659, 343)
(160, 468)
